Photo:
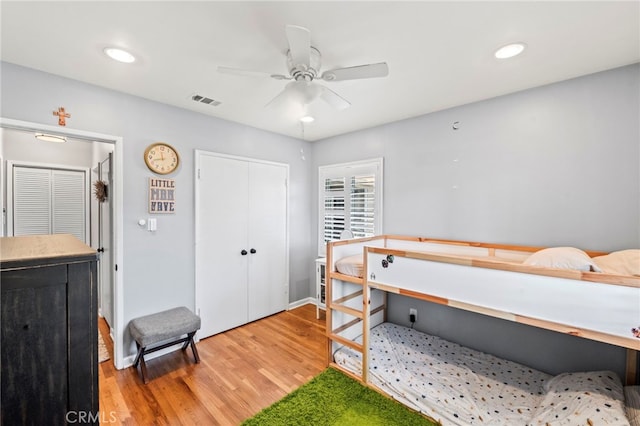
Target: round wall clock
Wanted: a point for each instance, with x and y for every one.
(161, 158)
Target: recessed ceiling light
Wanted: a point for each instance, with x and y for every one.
(119, 55)
(510, 50)
(50, 138)
(307, 119)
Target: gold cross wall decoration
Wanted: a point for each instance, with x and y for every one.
(62, 116)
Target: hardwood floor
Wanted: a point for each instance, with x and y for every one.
(241, 372)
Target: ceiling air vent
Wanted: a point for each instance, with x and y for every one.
(205, 100)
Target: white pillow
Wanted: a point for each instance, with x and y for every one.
(590, 398)
(562, 258)
(351, 265)
(623, 262)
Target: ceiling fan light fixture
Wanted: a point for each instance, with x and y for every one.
(50, 138)
(307, 119)
(303, 65)
(119, 55)
(510, 50)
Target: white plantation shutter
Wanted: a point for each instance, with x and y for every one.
(334, 208)
(49, 201)
(363, 205)
(68, 196)
(31, 201)
(350, 198)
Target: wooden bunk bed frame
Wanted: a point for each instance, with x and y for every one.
(354, 304)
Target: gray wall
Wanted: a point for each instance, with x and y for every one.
(158, 267)
(558, 164)
(24, 146)
(554, 165)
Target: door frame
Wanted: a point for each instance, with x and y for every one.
(117, 211)
(107, 254)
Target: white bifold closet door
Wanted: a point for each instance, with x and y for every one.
(48, 201)
(241, 240)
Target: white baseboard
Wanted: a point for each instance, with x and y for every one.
(301, 302)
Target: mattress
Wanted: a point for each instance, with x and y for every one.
(457, 385)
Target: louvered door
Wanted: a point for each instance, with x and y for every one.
(69, 203)
(31, 201)
(48, 201)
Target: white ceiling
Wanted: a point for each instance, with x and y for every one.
(440, 54)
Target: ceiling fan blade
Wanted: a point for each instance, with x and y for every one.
(299, 45)
(251, 73)
(333, 99)
(284, 97)
(353, 73)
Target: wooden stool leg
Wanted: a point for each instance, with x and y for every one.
(193, 347)
(139, 355)
(186, 342)
(195, 352)
(143, 369)
(140, 359)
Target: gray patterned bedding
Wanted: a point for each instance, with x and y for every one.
(460, 386)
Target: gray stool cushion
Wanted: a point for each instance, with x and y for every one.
(164, 325)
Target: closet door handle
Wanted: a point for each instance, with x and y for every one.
(253, 251)
(243, 252)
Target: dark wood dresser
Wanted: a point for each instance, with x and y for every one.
(49, 331)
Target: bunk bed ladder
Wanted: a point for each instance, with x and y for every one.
(354, 316)
(340, 305)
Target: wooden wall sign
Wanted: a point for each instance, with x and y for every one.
(162, 195)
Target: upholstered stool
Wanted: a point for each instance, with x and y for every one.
(167, 326)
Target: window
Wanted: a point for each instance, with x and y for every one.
(350, 197)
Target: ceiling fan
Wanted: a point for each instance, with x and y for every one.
(303, 63)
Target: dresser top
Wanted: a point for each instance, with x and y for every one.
(38, 247)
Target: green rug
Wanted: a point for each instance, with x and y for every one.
(332, 399)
